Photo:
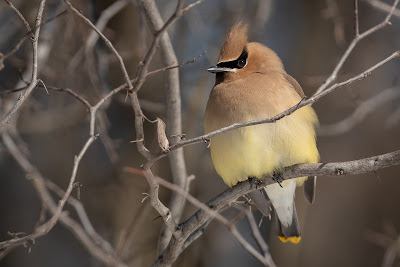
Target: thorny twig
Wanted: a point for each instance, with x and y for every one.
(34, 40)
(187, 229)
(201, 217)
(213, 213)
(89, 238)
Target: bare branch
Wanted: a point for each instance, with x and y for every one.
(83, 217)
(361, 112)
(357, 38)
(356, 21)
(104, 18)
(383, 6)
(92, 241)
(391, 252)
(213, 213)
(201, 217)
(158, 205)
(22, 40)
(289, 111)
(393, 119)
(176, 66)
(332, 12)
(258, 237)
(72, 93)
(106, 41)
(174, 114)
(185, 233)
(34, 40)
(21, 17)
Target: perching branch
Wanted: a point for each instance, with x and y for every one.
(182, 234)
(302, 103)
(322, 90)
(202, 216)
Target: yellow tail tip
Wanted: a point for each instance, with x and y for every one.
(293, 239)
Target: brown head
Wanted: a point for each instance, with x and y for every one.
(239, 58)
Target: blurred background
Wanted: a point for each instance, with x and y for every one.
(354, 218)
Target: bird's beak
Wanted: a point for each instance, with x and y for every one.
(216, 69)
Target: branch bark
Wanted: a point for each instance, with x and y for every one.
(302, 103)
(91, 240)
(357, 38)
(383, 6)
(34, 79)
(360, 113)
(202, 216)
(174, 115)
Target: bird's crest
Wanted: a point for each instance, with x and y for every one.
(234, 43)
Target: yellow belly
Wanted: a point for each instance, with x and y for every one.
(260, 150)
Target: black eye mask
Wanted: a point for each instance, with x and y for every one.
(238, 63)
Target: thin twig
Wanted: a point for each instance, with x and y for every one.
(379, 5)
(360, 113)
(213, 213)
(174, 114)
(176, 66)
(258, 237)
(83, 217)
(350, 48)
(104, 18)
(21, 17)
(106, 41)
(91, 240)
(34, 40)
(201, 217)
(22, 40)
(143, 67)
(313, 99)
(390, 254)
(356, 21)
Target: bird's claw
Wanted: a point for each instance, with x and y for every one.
(254, 182)
(277, 177)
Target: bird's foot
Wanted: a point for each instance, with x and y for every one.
(254, 182)
(277, 177)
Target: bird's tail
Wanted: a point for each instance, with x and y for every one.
(290, 232)
(282, 199)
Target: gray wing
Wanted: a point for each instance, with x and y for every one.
(310, 186)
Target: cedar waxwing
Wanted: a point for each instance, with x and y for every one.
(252, 84)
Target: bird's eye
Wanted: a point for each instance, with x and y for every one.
(241, 63)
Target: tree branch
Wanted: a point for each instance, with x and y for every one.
(34, 40)
(202, 216)
(91, 240)
(213, 213)
(383, 6)
(302, 103)
(174, 114)
(360, 113)
(357, 38)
